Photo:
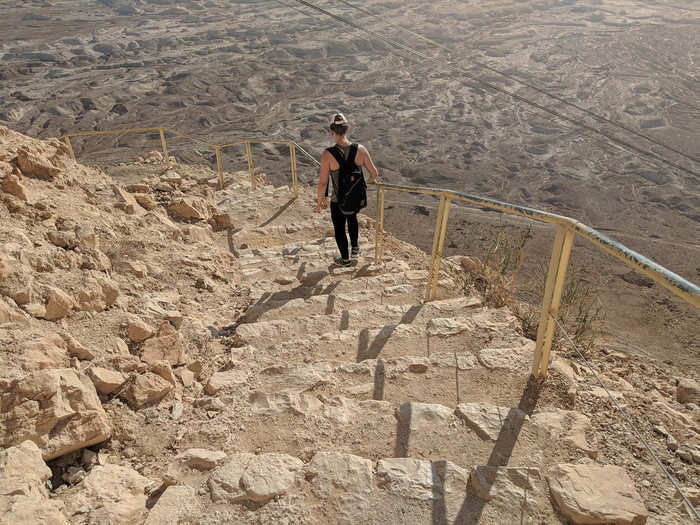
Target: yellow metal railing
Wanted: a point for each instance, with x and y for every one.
(567, 229)
(216, 147)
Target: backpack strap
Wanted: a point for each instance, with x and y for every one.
(337, 154)
(352, 153)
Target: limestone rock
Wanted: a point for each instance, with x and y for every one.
(163, 369)
(221, 221)
(515, 358)
(167, 345)
(596, 494)
(193, 459)
(423, 415)
(30, 510)
(190, 208)
(58, 304)
(106, 381)
(13, 186)
(421, 479)
(688, 391)
(125, 201)
(146, 390)
(488, 421)
(57, 409)
(178, 504)
(75, 349)
(138, 330)
(296, 377)
(23, 471)
(222, 380)
(97, 294)
(509, 486)
(258, 479)
(186, 376)
(45, 352)
(146, 201)
(32, 164)
(117, 493)
(16, 281)
(136, 268)
(567, 426)
(445, 327)
(343, 481)
(9, 314)
(279, 403)
(66, 240)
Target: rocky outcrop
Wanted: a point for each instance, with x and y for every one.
(57, 409)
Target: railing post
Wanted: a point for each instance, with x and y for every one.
(441, 243)
(433, 253)
(251, 166)
(219, 167)
(293, 161)
(166, 158)
(70, 146)
(379, 225)
(552, 299)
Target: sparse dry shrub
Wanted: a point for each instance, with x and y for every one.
(494, 276)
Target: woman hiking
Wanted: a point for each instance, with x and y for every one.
(330, 167)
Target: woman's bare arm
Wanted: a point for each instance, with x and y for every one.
(323, 180)
(367, 163)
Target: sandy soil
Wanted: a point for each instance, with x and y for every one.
(226, 71)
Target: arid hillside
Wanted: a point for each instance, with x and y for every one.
(176, 354)
(227, 70)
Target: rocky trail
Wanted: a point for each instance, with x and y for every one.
(173, 354)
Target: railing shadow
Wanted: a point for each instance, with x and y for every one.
(271, 301)
(367, 350)
(472, 507)
(279, 212)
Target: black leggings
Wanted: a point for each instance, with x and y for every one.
(341, 239)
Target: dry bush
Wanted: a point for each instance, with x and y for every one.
(494, 276)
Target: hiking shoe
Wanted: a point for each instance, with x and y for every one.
(342, 262)
(356, 252)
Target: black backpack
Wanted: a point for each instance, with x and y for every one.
(352, 189)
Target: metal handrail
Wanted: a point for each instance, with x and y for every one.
(567, 229)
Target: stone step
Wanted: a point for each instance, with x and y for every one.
(295, 318)
(466, 434)
(443, 378)
(281, 234)
(465, 334)
(337, 487)
(253, 264)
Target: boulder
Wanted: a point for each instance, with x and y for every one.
(222, 380)
(34, 164)
(138, 330)
(97, 294)
(178, 504)
(9, 314)
(106, 381)
(186, 376)
(221, 221)
(146, 390)
(117, 495)
(58, 304)
(488, 421)
(146, 201)
(46, 352)
(258, 479)
(13, 186)
(688, 391)
(125, 201)
(167, 345)
(195, 208)
(57, 409)
(66, 240)
(75, 349)
(192, 461)
(16, 281)
(163, 369)
(517, 358)
(23, 471)
(596, 494)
